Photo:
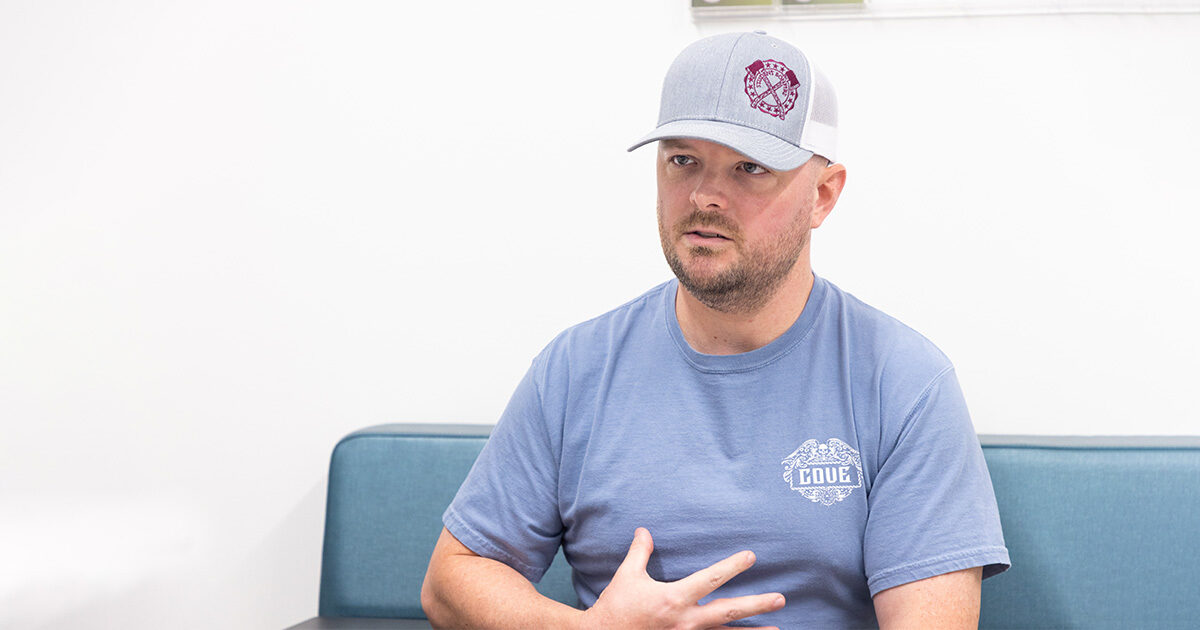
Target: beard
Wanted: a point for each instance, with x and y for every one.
(748, 283)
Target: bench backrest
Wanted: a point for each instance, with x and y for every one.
(1102, 532)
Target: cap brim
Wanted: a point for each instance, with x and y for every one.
(759, 146)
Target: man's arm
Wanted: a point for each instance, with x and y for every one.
(943, 602)
(463, 589)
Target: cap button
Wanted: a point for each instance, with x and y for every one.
(759, 32)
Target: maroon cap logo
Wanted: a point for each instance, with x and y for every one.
(771, 87)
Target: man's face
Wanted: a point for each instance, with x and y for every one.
(731, 229)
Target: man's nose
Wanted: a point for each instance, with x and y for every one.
(710, 192)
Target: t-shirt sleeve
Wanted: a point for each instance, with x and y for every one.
(507, 508)
(932, 508)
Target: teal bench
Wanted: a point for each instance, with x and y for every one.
(1103, 532)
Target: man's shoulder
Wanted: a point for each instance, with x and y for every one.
(608, 329)
(879, 336)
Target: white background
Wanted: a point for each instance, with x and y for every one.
(232, 232)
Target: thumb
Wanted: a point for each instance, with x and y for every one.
(639, 552)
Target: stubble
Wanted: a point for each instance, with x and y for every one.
(747, 284)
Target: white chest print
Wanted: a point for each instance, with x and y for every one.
(824, 473)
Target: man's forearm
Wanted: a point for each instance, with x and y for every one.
(464, 590)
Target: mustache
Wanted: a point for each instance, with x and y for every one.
(698, 219)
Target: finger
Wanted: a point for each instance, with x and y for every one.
(722, 611)
(639, 552)
(710, 578)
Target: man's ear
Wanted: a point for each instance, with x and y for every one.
(830, 181)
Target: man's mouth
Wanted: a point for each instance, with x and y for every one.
(707, 234)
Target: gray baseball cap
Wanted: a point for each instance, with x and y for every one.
(753, 93)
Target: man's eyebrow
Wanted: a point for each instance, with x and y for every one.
(673, 143)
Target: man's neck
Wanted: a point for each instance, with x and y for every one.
(716, 332)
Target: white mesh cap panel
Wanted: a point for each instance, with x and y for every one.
(820, 131)
(824, 103)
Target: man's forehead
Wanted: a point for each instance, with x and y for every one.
(685, 144)
(670, 145)
(673, 143)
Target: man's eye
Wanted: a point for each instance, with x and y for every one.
(680, 160)
(752, 168)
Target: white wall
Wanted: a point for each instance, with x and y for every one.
(232, 232)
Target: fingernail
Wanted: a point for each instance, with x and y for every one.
(778, 603)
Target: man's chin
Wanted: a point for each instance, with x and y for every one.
(704, 271)
(709, 276)
(709, 279)
(700, 259)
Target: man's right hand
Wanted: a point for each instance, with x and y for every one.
(633, 599)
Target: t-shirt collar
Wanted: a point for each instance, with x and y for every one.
(754, 359)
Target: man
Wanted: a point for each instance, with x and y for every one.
(779, 451)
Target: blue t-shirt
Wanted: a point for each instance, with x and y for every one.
(841, 453)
